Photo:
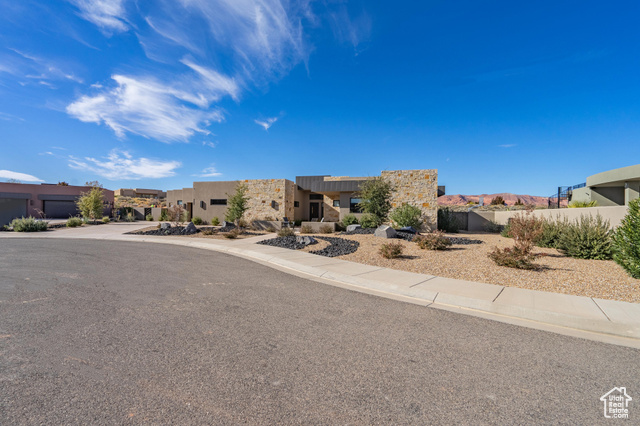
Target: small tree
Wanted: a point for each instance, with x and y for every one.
(175, 214)
(90, 204)
(237, 204)
(376, 197)
(94, 184)
(497, 201)
(626, 241)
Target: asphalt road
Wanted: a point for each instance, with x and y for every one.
(99, 332)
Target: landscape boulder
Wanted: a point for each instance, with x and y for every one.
(226, 224)
(165, 225)
(353, 227)
(305, 239)
(385, 231)
(190, 229)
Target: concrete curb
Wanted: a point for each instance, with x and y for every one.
(603, 320)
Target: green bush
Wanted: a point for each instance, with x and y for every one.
(73, 222)
(551, 232)
(28, 224)
(581, 204)
(433, 241)
(90, 203)
(369, 220)
(391, 250)
(447, 220)
(326, 229)
(197, 220)
(626, 241)
(149, 217)
(506, 230)
(163, 215)
(493, 227)
(406, 215)
(587, 238)
(105, 219)
(286, 232)
(233, 234)
(376, 198)
(306, 229)
(349, 220)
(215, 221)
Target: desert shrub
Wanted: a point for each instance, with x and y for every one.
(587, 238)
(130, 217)
(163, 215)
(447, 220)
(72, 222)
(493, 226)
(242, 223)
(105, 219)
(270, 229)
(406, 215)
(518, 202)
(297, 222)
(207, 231)
(626, 241)
(506, 230)
(176, 214)
(90, 203)
(215, 221)
(326, 229)
(369, 220)
(286, 232)
(149, 217)
(376, 198)
(497, 201)
(197, 220)
(237, 204)
(433, 241)
(349, 220)
(581, 204)
(28, 224)
(306, 229)
(391, 250)
(233, 234)
(551, 232)
(513, 257)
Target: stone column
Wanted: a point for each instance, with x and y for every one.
(631, 191)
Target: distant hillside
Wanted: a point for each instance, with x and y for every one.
(510, 199)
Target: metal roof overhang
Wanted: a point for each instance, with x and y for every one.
(16, 195)
(54, 197)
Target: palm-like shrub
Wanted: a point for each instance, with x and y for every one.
(626, 241)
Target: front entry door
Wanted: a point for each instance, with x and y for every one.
(314, 211)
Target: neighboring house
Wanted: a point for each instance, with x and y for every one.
(611, 188)
(309, 198)
(43, 200)
(140, 193)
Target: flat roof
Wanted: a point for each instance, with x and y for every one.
(615, 177)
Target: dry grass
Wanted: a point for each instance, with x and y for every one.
(557, 273)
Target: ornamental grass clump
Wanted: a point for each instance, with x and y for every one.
(587, 238)
(391, 250)
(626, 241)
(326, 229)
(525, 230)
(286, 232)
(433, 241)
(306, 229)
(28, 224)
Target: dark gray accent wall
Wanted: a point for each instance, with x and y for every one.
(11, 208)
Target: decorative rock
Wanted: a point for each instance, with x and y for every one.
(353, 227)
(226, 224)
(385, 231)
(165, 225)
(304, 239)
(190, 229)
(409, 229)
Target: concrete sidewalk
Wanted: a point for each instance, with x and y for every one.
(596, 319)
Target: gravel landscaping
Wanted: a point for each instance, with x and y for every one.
(335, 246)
(467, 260)
(201, 232)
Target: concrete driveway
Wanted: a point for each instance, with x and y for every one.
(106, 332)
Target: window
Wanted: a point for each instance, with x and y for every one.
(353, 205)
(203, 205)
(296, 204)
(219, 202)
(315, 196)
(179, 202)
(336, 203)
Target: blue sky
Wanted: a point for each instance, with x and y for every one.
(499, 96)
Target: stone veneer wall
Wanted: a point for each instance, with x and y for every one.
(418, 188)
(262, 192)
(331, 214)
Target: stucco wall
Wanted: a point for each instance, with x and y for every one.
(418, 188)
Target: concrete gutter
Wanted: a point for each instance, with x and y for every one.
(591, 318)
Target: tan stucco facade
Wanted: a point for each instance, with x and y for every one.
(611, 188)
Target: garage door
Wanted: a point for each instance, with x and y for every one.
(11, 208)
(60, 209)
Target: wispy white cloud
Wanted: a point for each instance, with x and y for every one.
(209, 144)
(108, 15)
(122, 165)
(34, 68)
(267, 122)
(10, 117)
(148, 108)
(209, 172)
(8, 174)
(507, 145)
(347, 29)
